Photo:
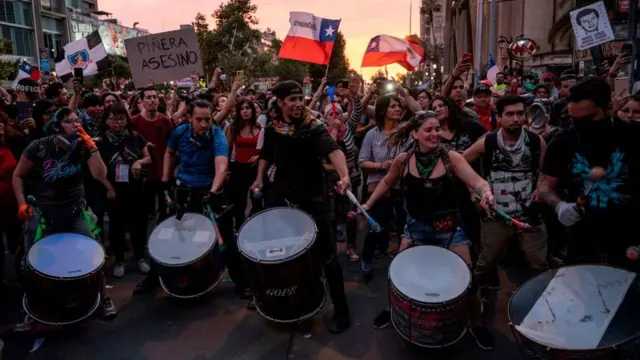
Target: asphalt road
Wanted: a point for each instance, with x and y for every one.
(219, 326)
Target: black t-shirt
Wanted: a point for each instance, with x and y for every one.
(613, 202)
(298, 158)
(119, 153)
(56, 175)
(466, 135)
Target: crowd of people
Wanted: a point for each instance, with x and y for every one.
(431, 166)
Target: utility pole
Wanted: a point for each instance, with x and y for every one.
(493, 23)
(477, 57)
(633, 9)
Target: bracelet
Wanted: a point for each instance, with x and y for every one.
(93, 150)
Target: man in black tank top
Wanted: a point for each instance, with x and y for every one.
(511, 159)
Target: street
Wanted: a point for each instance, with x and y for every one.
(219, 326)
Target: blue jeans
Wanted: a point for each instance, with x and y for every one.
(420, 232)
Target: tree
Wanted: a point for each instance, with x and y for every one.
(561, 29)
(287, 69)
(204, 36)
(8, 69)
(377, 75)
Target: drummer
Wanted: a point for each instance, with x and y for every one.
(202, 150)
(52, 167)
(606, 225)
(427, 174)
(296, 142)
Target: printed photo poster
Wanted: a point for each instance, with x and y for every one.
(591, 26)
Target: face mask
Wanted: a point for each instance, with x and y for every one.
(589, 128)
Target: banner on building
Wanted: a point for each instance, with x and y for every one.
(591, 26)
(163, 57)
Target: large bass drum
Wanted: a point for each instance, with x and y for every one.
(279, 249)
(65, 278)
(579, 312)
(187, 254)
(428, 288)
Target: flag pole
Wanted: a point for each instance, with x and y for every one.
(326, 73)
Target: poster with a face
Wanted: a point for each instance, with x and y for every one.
(591, 26)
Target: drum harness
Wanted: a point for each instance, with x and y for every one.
(206, 210)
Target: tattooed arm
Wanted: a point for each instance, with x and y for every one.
(547, 193)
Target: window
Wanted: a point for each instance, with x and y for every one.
(53, 43)
(21, 40)
(16, 12)
(75, 4)
(52, 25)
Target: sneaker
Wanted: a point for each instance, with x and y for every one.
(251, 305)
(382, 320)
(494, 283)
(109, 310)
(143, 267)
(483, 337)
(24, 325)
(148, 285)
(339, 323)
(118, 270)
(352, 254)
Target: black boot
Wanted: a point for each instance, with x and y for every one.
(148, 285)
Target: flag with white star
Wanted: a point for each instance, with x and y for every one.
(310, 38)
(26, 71)
(385, 50)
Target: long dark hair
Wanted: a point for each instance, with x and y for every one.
(238, 123)
(457, 116)
(115, 109)
(133, 103)
(382, 105)
(400, 135)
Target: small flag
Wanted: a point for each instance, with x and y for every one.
(492, 71)
(26, 71)
(87, 53)
(310, 38)
(384, 50)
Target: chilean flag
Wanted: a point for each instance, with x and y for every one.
(310, 38)
(384, 50)
(26, 70)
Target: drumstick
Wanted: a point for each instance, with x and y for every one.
(518, 224)
(375, 227)
(633, 253)
(595, 175)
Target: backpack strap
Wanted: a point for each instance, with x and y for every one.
(490, 146)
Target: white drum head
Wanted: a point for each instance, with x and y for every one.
(276, 234)
(66, 255)
(176, 242)
(429, 274)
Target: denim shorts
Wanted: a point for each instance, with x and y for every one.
(419, 232)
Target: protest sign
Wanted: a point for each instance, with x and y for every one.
(591, 26)
(163, 57)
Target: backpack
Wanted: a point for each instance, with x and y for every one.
(491, 146)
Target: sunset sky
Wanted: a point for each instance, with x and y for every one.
(361, 19)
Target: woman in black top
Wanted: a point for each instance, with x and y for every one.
(427, 174)
(125, 154)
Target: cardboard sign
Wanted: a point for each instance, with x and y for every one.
(163, 57)
(591, 26)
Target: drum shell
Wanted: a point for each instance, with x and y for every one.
(194, 278)
(428, 325)
(623, 348)
(62, 300)
(288, 290)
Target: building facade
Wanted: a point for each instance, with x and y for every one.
(37, 28)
